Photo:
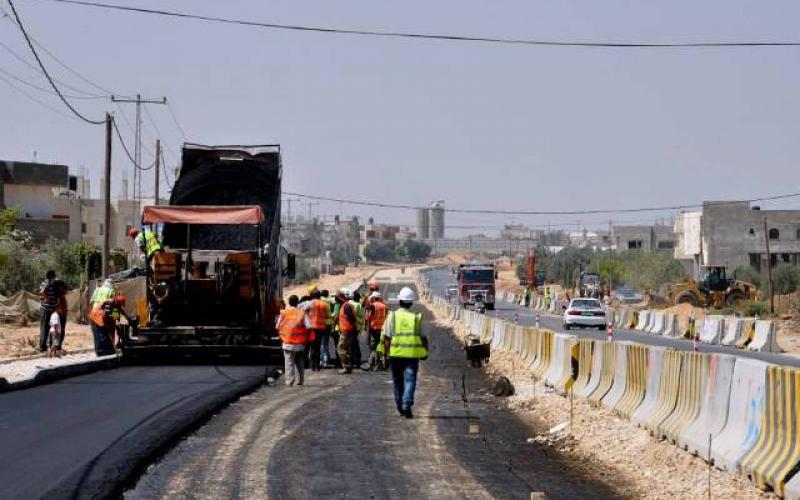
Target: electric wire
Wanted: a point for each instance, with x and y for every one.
(36, 100)
(44, 70)
(127, 151)
(426, 36)
(175, 120)
(542, 212)
(41, 89)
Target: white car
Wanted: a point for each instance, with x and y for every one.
(585, 312)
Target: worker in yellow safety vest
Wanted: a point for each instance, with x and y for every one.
(147, 241)
(406, 345)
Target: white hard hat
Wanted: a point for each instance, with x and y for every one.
(375, 295)
(346, 292)
(406, 295)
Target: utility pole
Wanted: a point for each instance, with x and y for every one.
(107, 198)
(769, 270)
(157, 167)
(137, 146)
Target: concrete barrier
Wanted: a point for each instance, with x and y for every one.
(636, 376)
(614, 394)
(748, 333)
(776, 454)
(498, 329)
(691, 391)
(508, 336)
(732, 331)
(543, 362)
(671, 327)
(535, 348)
(559, 360)
(657, 323)
(714, 407)
(622, 315)
(606, 374)
(667, 391)
(598, 348)
(745, 407)
(711, 330)
(655, 357)
(644, 318)
(569, 373)
(764, 339)
(634, 320)
(585, 351)
(525, 349)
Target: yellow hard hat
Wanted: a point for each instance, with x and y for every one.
(311, 289)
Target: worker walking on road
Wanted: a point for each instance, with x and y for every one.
(319, 314)
(295, 331)
(347, 320)
(375, 317)
(406, 345)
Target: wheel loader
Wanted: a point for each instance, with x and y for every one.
(714, 289)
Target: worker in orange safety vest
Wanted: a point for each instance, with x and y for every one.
(295, 331)
(375, 317)
(319, 313)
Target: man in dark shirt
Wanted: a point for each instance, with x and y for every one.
(52, 296)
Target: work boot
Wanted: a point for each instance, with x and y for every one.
(406, 412)
(345, 371)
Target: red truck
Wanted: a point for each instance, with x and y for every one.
(476, 282)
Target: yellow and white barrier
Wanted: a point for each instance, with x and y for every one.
(636, 380)
(667, 391)
(764, 339)
(655, 357)
(606, 374)
(694, 371)
(620, 380)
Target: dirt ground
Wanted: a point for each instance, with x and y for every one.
(18, 342)
(619, 452)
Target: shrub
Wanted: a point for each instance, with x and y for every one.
(785, 278)
(756, 308)
(747, 273)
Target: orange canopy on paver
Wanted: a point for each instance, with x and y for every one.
(242, 214)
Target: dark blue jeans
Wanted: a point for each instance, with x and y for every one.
(102, 341)
(404, 376)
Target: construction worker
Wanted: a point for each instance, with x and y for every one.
(103, 292)
(406, 345)
(319, 313)
(358, 306)
(347, 320)
(375, 317)
(324, 351)
(294, 329)
(103, 319)
(147, 241)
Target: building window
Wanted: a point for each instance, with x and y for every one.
(755, 261)
(83, 228)
(752, 231)
(101, 229)
(774, 234)
(634, 244)
(666, 245)
(798, 234)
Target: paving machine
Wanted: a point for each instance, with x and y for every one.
(714, 289)
(216, 286)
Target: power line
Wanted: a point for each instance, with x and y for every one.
(175, 120)
(427, 36)
(542, 212)
(36, 100)
(44, 70)
(41, 89)
(127, 151)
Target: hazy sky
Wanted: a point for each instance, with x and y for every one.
(409, 121)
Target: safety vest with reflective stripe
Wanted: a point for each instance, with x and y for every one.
(318, 314)
(99, 314)
(359, 312)
(151, 244)
(331, 309)
(292, 327)
(378, 315)
(407, 339)
(345, 325)
(103, 293)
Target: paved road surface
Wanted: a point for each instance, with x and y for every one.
(341, 437)
(79, 437)
(440, 279)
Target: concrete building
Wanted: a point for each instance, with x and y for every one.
(437, 220)
(47, 196)
(732, 234)
(423, 223)
(125, 214)
(647, 238)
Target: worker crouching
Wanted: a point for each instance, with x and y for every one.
(406, 345)
(104, 317)
(295, 331)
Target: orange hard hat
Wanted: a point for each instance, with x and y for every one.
(120, 299)
(133, 233)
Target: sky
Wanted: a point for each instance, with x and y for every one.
(485, 126)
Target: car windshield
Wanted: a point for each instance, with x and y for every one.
(586, 304)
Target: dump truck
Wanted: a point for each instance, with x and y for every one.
(714, 289)
(216, 286)
(476, 284)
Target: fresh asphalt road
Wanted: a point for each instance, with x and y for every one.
(83, 436)
(440, 279)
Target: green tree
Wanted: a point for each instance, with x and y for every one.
(748, 274)
(380, 252)
(417, 251)
(785, 278)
